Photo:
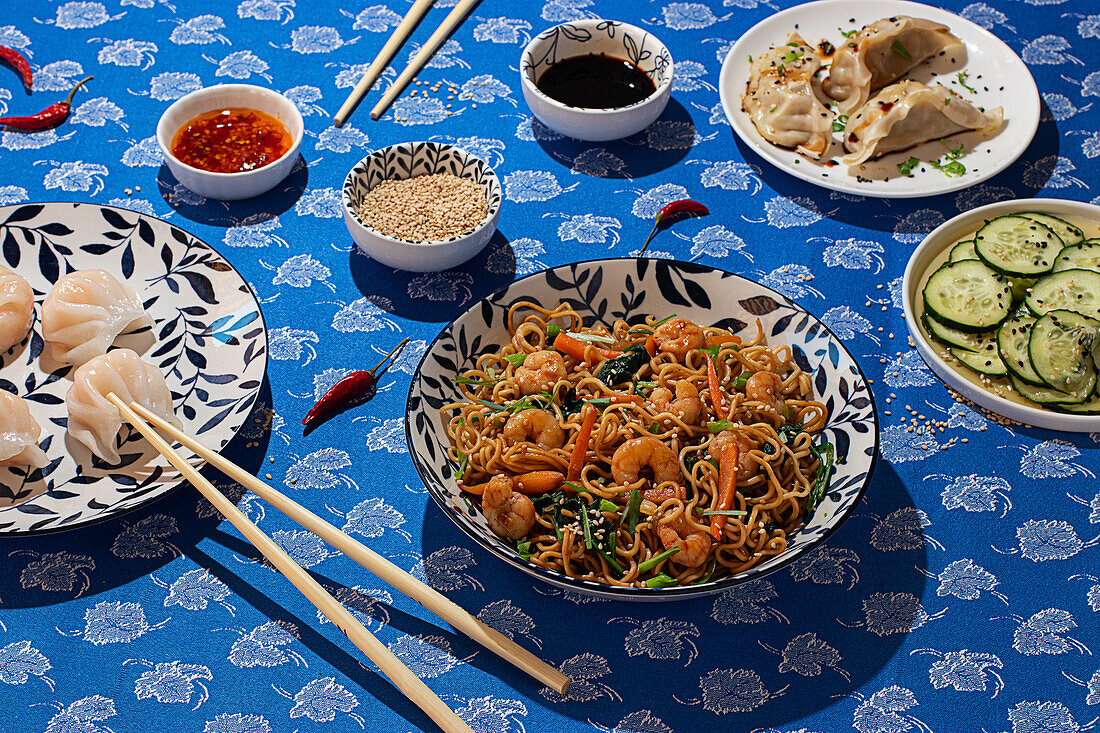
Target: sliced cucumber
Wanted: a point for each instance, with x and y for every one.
(1072, 290)
(1016, 245)
(1068, 233)
(1060, 351)
(1012, 342)
(986, 362)
(963, 251)
(967, 296)
(1048, 396)
(1091, 406)
(949, 336)
(1083, 256)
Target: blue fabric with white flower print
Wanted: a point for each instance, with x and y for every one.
(963, 594)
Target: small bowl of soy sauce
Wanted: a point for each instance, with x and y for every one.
(596, 79)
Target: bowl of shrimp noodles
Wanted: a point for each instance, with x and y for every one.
(642, 429)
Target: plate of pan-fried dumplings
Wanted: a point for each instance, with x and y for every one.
(889, 99)
(96, 299)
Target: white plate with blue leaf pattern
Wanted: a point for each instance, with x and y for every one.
(602, 291)
(209, 340)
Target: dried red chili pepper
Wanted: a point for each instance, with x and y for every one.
(19, 63)
(52, 115)
(347, 390)
(675, 209)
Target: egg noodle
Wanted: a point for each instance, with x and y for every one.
(647, 455)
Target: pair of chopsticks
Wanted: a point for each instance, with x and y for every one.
(416, 63)
(401, 676)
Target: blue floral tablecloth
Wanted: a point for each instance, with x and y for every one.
(963, 594)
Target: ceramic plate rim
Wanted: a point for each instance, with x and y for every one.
(643, 594)
(1026, 116)
(198, 462)
(932, 245)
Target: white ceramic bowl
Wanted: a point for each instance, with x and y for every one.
(230, 186)
(408, 160)
(916, 273)
(596, 36)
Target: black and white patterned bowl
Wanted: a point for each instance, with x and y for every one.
(408, 160)
(602, 291)
(597, 37)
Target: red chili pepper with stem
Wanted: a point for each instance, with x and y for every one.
(55, 114)
(684, 207)
(19, 63)
(346, 391)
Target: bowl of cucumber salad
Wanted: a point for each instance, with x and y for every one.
(1003, 303)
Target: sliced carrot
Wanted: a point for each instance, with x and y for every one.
(576, 349)
(717, 399)
(713, 339)
(580, 448)
(626, 399)
(727, 485)
(651, 345)
(535, 483)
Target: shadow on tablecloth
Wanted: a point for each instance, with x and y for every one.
(760, 655)
(247, 212)
(434, 296)
(658, 147)
(46, 569)
(1023, 179)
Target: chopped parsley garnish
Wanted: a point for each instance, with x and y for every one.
(961, 77)
(900, 50)
(950, 167)
(906, 168)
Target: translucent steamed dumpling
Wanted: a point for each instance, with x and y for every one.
(19, 433)
(86, 311)
(93, 419)
(910, 113)
(16, 308)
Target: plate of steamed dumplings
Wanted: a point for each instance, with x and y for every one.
(891, 98)
(93, 300)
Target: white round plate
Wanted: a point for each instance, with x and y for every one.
(209, 340)
(997, 74)
(602, 291)
(946, 235)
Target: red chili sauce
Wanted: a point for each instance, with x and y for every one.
(231, 140)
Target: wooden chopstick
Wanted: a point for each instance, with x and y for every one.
(416, 63)
(414, 588)
(400, 34)
(401, 676)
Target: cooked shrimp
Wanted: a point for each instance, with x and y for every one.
(540, 370)
(638, 454)
(687, 406)
(694, 545)
(509, 514)
(538, 426)
(678, 337)
(746, 466)
(764, 387)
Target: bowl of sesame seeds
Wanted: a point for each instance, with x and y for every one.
(421, 206)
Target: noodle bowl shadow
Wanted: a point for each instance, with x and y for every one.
(602, 291)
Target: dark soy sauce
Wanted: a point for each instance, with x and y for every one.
(595, 82)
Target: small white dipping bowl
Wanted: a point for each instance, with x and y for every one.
(230, 186)
(595, 36)
(408, 160)
(917, 272)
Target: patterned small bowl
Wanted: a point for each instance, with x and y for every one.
(596, 36)
(601, 291)
(408, 160)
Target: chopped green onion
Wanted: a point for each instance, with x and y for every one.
(725, 512)
(840, 123)
(826, 454)
(524, 549)
(602, 402)
(515, 359)
(552, 331)
(705, 578)
(848, 34)
(712, 350)
(469, 506)
(645, 385)
(478, 382)
(462, 465)
(741, 380)
(577, 487)
(660, 581)
(655, 429)
(717, 426)
(586, 525)
(608, 506)
(593, 338)
(656, 560)
(900, 50)
(492, 405)
(663, 321)
(630, 516)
